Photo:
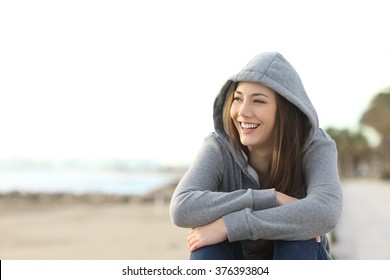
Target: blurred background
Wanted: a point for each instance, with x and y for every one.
(104, 104)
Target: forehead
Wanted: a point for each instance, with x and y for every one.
(254, 88)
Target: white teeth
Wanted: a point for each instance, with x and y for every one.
(249, 125)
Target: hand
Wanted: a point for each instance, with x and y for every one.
(210, 234)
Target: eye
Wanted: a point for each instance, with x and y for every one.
(236, 98)
(259, 101)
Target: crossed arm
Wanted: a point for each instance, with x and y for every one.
(256, 214)
(216, 231)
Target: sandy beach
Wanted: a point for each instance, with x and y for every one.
(93, 228)
(98, 227)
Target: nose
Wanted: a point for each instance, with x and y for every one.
(245, 110)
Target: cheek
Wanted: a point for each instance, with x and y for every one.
(233, 112)
(272, 119)
(268, 117)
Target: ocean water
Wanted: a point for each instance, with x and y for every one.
(82, 181)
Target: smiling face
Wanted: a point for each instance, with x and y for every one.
(253, 112)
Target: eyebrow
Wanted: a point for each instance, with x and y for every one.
(254, 94)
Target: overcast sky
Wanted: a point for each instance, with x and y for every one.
(137, 79)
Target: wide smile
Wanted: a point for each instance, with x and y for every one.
(248, 127)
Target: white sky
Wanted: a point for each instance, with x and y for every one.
(137, 79)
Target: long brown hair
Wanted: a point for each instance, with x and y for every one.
(291, 131)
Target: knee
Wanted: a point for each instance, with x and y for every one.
(296, 250)
(220, 251)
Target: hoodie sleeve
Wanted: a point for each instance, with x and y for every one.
(198, 199)
(317, 214)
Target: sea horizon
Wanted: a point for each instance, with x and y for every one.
(85, 181)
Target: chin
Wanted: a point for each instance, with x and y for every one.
(247, 142)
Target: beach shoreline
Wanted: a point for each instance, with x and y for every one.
(39, 226)
(90, 226)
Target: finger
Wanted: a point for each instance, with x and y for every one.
(191, 245)
(192, 231)
(190, 234)
(318, 239)
(191, 240)
(195, 246)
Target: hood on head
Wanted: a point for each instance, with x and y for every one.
(272, 70)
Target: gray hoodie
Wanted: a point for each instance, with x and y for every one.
(220, 183)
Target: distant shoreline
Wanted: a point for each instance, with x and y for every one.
(161, 194)
(83, 183)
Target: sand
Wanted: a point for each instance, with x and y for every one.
(88, 229)
(96, 227)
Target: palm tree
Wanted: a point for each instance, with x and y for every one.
(353, 149)
(378, 117)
